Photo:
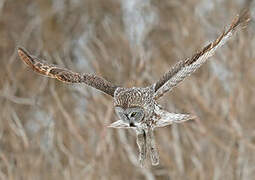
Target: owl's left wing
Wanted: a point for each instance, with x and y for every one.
(184, 68)
(165, 118)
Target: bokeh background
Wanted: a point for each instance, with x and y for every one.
(50, 130)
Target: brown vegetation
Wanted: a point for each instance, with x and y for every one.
(50, 130)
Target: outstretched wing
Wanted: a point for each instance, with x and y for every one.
(65, 75)
(184, 68)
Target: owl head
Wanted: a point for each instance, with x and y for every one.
(133, 106)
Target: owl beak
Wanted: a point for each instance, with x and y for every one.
(131, 124)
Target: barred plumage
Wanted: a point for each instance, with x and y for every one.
(137, 107)
(66, 75)
(184, 68)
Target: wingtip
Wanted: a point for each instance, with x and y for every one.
(19, 48)
(242, 19)
(245, 14)
(109, 126)
(22, 52)
(24, 56)
(192, 117)
(245, 17)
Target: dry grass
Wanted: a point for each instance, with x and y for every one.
(50, 130)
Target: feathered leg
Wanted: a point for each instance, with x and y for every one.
(141, 142)
(151, 145)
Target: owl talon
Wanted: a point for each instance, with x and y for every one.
(154, 158)
(141, 160)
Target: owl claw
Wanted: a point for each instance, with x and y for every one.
(155, 161)
(141, 160)
(154, 155)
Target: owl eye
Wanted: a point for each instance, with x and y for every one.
(133, 114)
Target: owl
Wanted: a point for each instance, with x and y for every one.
(137, 107)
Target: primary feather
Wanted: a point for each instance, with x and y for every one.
(184, 68)
(65, 75)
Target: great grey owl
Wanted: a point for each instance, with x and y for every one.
(137, 107)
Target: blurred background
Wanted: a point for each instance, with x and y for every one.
(50, 130)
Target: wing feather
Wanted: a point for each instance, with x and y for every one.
(186, 67)
(65, 75)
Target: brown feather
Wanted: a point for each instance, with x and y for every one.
(240, 21)
(65, 75)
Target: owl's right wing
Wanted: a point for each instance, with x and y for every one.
(186, 67)
(66, 75)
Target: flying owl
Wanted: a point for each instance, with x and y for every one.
(136, 107)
